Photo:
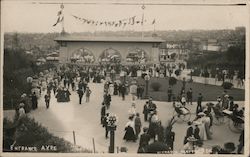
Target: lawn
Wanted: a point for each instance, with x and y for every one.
(209, 92)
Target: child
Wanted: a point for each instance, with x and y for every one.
(88, 92)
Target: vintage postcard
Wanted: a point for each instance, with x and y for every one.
(124, 77)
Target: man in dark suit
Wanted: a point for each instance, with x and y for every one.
(105, 124)
(80, 94)
(144, 139)
(190, 132)
(190, 129)
(170, 137)
(169, 94)
(103, 112)
(146, 111)
(123, 91)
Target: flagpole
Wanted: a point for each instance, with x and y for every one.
(142, 34)
(63, 30)
(154, 27)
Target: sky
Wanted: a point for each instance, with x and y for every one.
(33, 17)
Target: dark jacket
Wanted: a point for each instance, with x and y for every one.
(144, 139)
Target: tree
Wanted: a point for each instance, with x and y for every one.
(236, 54)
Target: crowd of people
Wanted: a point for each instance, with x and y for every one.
(152, 139)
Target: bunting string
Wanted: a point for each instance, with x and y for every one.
(117, 23)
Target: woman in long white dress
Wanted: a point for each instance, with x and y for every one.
(207, 121)
(132, 110)
(111, 89)
(201, 123)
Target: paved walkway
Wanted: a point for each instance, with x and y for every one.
(62, 119)
(210, 80)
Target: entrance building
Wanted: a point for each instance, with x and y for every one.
(94, 50)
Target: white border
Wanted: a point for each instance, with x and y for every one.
(247, 95)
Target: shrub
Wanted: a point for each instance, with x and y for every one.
(172, 81)
(227, 85)
(30, 133)
(155, 86)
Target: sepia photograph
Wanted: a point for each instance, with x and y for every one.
(124, 77)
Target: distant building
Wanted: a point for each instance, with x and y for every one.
(210, 45)
(79, 49)
(173, 52)
(53, 57)
(40, 61)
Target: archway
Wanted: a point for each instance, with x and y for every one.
(82, 55)
(110, 55)
(137, 55)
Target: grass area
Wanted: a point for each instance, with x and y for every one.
(209, 92)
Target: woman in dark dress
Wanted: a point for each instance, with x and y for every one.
(115, 89)
(130, 133)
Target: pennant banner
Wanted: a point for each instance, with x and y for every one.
(119, 23)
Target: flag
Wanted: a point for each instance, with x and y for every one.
(120, 23)
(153, 22)
(60, 17)
(132, 20)
(59, 13)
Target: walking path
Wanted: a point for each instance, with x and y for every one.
(62, 119)
(212, 81)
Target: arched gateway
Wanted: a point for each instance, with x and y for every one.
(137, 55)
(108, 49)
(110, 55)
(82, 55)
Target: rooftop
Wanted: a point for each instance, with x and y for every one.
(110, 39)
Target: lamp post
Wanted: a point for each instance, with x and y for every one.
(112, 119)
(147, 78)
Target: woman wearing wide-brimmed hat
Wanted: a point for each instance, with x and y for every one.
(201, 123)
(130, 130)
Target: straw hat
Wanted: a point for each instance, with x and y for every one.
(23, 95)
(201, 114)
(21, 105)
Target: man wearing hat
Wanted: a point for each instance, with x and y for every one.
(146, 111)
(199, 101)
(218, 108)
(137, 125)
(152, 106)
(169, 93)
(225, 101)
(103, 112)
(47, 100)
(80, 94)
(123, 91)
(144, 138)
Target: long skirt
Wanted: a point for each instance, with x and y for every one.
(203, 133)
(208, 131)
(129, 134)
